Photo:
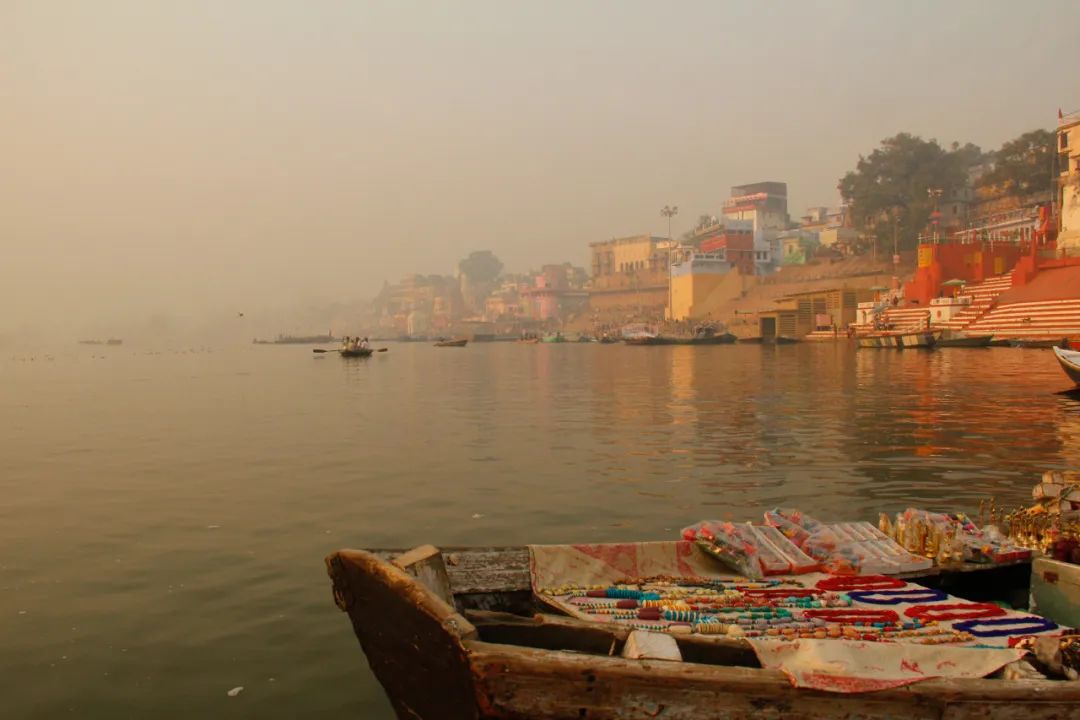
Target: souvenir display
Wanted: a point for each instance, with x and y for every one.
(1052, 524)
(750, 550)
(951, 538)
(872, 608)
(847, 547)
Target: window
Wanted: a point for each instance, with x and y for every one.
(1064, 140)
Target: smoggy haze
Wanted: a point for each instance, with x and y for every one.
(198, 159)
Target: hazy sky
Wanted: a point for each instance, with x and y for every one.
(209, 157)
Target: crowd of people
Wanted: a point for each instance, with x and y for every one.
(352, 344)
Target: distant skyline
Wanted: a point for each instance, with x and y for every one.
(201, 158)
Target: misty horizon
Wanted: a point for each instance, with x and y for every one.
(173, 166)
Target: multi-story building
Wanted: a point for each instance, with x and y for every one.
(765, 205)
(629, 272)
(733, 242)
(1068, 183)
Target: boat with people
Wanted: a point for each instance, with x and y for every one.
(1070, 363)
(460, 342)
(356, 353)
(555, 338)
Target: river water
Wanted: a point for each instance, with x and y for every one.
(164, 514)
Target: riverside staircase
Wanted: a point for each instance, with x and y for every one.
(983, 296)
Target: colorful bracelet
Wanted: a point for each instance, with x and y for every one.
(895, 597)
(1034, 625)
(955, 611)
(860, 582)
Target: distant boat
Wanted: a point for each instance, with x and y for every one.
(357, 353)
(452, 343)
(1070, 363)
(294, 340)
(91, 342)
(649, 340)
(755, 340)
(556, 338)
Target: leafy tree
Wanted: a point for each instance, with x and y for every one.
(481, 266)
(888, 190)
(1023, 165)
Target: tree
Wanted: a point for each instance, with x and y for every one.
(481, 266)
(887, 191)
(1024, 165)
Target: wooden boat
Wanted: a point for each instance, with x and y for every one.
(1070, 363)
(357, 353)
(901, 339)
(649, 340)
(556, 338)
(718, 339)
(459, 636)
(452, 343)
(756, 340)
(785, 340)
(1034, 342)
(953, 340)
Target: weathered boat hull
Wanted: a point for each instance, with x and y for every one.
(649, 340)
(356, 353)
(965, 341)
(1070, 363)
(452, 343)
(1033, 343)
(435, 662)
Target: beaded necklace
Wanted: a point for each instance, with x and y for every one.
(860, 582)
(895, 597)
(955, 611)
(1033, 625)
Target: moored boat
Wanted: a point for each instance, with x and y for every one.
(1034, 343)
(461, 342)
(649, 340)
(463, 636)
(901, 339)
(953, 340)
(1070, 363)
(556, 338)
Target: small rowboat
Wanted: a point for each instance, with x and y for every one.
(452, 343)
(357, 353)
(1070, 363)
(459, 635)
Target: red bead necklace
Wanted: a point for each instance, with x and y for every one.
(859, 582)
(960, 611)
(852, 615)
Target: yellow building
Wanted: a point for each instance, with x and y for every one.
(694, 279)
(629, 272)
(1068, 142)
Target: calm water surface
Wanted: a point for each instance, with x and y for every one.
(164, 515)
